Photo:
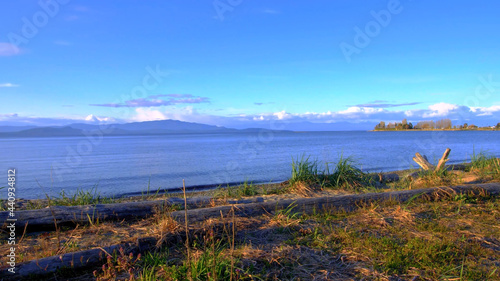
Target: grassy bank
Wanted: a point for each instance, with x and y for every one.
(452, 236)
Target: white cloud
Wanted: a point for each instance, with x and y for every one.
(351, 113)
(485, 111)
(440, 110)
(96, 119)
(147, 114)
(409, 113)
(7, 49)
(363, 110)
(282, 115)
(8, 85)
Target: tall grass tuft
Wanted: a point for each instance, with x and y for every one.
(485, 165)
(346, 175)
(481, 161)
(496, 168)
(307, 176)
(304, 170)
(147, 194)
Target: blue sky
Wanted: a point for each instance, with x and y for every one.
(241, 63)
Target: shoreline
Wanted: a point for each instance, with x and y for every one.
(215, 186)
(427, 130)
(211, 189)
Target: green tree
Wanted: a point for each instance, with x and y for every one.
(498, 125)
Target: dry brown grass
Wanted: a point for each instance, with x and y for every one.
(330, 245)
(303, 189)
(287, 262)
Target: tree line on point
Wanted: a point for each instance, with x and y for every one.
(443, 124)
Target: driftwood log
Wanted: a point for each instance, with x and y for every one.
(75, 260)
(346, 202)
(384, 177)
(423, 162)
(306, 205)
(44, 219)
(443, 160)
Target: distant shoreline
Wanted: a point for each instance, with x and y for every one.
(422, 130)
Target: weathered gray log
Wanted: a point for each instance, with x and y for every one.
(412, 176)
(49, 265)
(389, 177)
(423, 162)
(44, 219)
(76, 260)
(78, 214)
(307, 205)
(443, 160)
(346, 202)
(457, 167)
(384, 177)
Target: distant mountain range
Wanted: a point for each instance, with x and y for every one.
(162, 127)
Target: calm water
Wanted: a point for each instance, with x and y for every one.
(121, 165)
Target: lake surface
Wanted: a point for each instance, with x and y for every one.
(125, 164)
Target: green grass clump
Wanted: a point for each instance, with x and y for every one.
(345, 174)
(209, 265)
(205, 267)
(245, 189)
(209, 258)
(304, 170)
(480, 161)
(80, 197)
(485, 165)
(242, 190)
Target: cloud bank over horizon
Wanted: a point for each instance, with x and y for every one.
(363, 117)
